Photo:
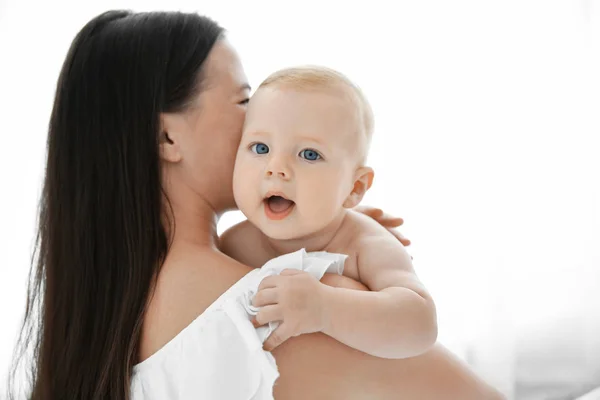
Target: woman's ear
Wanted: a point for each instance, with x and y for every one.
(169, 138)
(363, 179)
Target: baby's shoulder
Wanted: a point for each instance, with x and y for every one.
(363, 228)
(243, 242)
(236, 233)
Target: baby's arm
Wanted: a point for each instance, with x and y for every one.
(397, 319)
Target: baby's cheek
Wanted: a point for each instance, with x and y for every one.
(242, 186)
(329, 186)
(322, 202)
(237, 182)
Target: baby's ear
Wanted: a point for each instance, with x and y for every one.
(363, 179)
(169, 138)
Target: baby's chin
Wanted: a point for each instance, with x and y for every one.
(278, 230)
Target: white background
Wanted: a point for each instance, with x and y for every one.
(486, 142)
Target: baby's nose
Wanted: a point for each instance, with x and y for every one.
(279, 169)
(280, 174)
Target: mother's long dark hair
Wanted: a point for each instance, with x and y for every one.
(100, 242)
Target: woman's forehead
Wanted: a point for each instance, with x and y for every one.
(224, 67)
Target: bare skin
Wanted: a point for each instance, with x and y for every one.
(300, 167)
(312, 366)
(396, 320)
(196, 273)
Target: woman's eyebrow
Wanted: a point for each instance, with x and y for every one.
(245, 86)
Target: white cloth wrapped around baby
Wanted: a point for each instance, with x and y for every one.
(219, 355)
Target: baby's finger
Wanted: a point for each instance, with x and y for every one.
(268, 314)
(269, 282)
(290, 271)
(265, 297)
(276, 338)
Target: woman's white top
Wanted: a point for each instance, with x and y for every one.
(219, 355)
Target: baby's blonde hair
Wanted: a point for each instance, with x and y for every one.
(312, 77)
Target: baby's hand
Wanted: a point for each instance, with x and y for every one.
(295, 298)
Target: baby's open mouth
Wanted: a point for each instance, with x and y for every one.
(278, 207)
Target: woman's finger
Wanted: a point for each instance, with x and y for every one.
(389, 221)
(369, 211)
(400, 237)
(378, 215)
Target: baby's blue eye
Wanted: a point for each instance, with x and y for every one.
(310, 155)
(260, 148)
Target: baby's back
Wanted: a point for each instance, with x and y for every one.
(355, 228)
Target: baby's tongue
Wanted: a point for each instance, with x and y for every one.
(278, 204)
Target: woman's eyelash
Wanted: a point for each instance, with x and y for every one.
(244, 102)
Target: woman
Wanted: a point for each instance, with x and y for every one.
(142, 138)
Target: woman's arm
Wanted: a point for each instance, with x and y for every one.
(315, 366)
(312, 366)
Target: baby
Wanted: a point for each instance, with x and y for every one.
(299, 171)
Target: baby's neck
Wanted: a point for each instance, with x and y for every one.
(317, 241)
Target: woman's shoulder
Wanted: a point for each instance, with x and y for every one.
(188, 284)
(186, 304)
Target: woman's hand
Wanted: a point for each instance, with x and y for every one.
(385, 220)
